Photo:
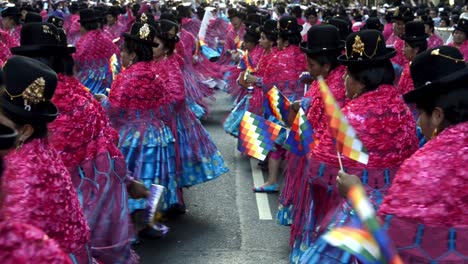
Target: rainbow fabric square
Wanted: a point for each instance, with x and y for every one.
(277, 104)
(357, 242)
(257, 135)
(246, 63)
(300, 140)
(347, 140)
(114, 66)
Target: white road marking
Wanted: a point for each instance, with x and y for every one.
(264, 211)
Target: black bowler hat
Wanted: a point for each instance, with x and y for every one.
(462, 25)
(270, 29)
(234, 13)
(56, 20)
(404, 13)
(322, 39)
(88, 16)
(342, 26)
(366, 47)
(7, 137)
(288, 25)
(436, 70)
(255, 18)
(428, 21)
(11, 12)
(29, 86)
(373, 23)
(414, 31)
(41, 39)
(32, 17)
(143, 33)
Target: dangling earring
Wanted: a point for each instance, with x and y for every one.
(130, 62)
(19, 145)
(356, 95)
(165, 55)
(434, 133)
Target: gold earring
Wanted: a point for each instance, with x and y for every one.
(434, 133)
(356, 95)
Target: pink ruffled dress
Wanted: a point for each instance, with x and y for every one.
(23, 243)
(6, 42)
(37, 188)
(87, 145)
(192, 25)
(198, 159)
(405, 84)
(72, 27)
(295, 195)
(426, 208)
(232, 42)
(387, 131)
(434, 41)
(92, 61)
(147, 143)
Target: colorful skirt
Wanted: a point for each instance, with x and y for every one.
(97, 77)
(149, 149)
(198, 155)
(325, 207)
(102, 192)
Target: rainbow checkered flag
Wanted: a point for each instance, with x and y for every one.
(301, 136)
(357, 242)
(347, 141)
(114, 66)
(257, 135)
(246, 63)
(277, 104)
(366, 213)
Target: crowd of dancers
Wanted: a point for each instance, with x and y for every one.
(100, 121)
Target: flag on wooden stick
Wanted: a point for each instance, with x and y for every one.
(347, 141)
(277, 104)
(301, 139)
(257, 135)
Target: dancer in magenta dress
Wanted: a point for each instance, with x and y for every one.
(460, 39)
(434, 40)
(36, 186)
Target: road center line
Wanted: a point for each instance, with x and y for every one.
(264, 212)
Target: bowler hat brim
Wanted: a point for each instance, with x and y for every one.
(390, 53)
(414, 38)
(313, 51)
(419, 92)
(47, 114)
(35, 50)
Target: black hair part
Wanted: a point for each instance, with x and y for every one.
(293, 39)
(59, 63)
(372, 76)
(252, 38)
(90, 26)
(454, 104)
(143, 52)
(330, 58)
(422, 45)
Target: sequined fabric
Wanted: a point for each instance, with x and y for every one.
(23, 243)
(434, 41)
(88, 146)
(316, 111)
(93, 52)
(6, 42)
(430, 185)
(405, 84)
(399, 57)
(37, 189)
(284, 70)
(15, 35)
(192, 25)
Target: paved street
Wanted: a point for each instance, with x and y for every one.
(225, 221)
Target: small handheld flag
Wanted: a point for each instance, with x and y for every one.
(257, 135)
(114, 65)
(301, 137)
(347, 140)
(246, 63)
(277, 104)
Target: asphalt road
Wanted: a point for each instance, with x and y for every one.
(222, 223)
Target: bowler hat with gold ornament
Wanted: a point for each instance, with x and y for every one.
(366, 47)
(27, 90)
(462, 25)
(322, 39)
(436, 71)
(142, 33)
(404, 13)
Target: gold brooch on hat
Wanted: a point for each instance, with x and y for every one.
(358, 45)
(436, 52)
(143, 18)
(144, 32)
(33, 94)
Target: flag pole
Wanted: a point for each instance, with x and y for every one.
(339, 160)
